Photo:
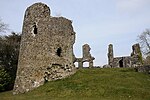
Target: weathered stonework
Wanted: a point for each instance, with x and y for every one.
(46, 51)
(110, 54)
(106, 66)
(86, 57)
(129, 61)
(143, 69)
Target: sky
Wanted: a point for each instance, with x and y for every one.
(96, 22)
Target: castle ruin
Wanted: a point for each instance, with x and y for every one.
(46, 50)
(86, 57)
(128, 61)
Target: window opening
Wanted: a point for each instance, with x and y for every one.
(35, 29)
(59, 51)
(76, 64)
(86, 64)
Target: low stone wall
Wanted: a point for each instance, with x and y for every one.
(145, 69)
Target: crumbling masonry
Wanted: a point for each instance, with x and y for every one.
(86, 57)
(46, 51)
(129, 61)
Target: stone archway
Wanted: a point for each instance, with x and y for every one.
(85, 64)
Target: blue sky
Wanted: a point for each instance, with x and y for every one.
(96, 22)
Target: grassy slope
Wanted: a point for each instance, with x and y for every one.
(95, 84)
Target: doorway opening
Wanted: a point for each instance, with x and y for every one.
(121, 63)
(86, 64)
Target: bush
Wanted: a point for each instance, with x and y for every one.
(5, 79)
(9, 52)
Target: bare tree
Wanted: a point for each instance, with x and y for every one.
(144, 40)
(3, 26)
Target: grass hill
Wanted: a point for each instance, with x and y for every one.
(92, 84)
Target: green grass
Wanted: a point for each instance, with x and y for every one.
(92, 84)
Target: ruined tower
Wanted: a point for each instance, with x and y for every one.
(136, 55)
(126, 61)
(86, 57)
(46, 50)
(110, 55)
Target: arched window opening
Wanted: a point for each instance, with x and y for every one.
(58, 52)
(86, 64)
(76, 64)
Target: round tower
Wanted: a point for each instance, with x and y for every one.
(46, 50)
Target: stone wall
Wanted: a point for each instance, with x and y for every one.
(144, 69)
(122, 62)
(46, 51)
(86, 57)
(126, 61)
(110, 55)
